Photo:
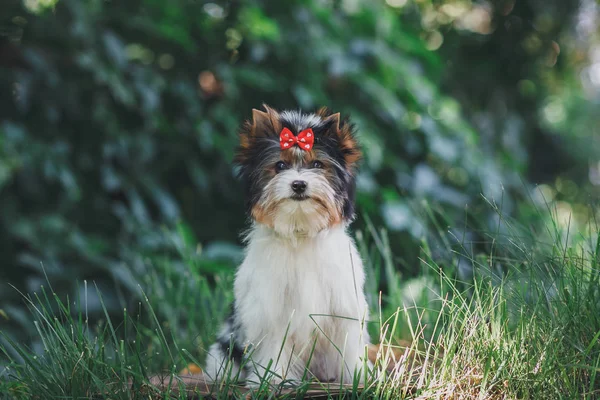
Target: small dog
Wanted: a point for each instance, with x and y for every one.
(300, 309)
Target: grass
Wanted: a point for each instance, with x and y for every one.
(525, 324)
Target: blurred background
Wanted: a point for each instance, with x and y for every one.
(118, 123)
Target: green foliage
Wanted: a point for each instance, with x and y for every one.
(122, 117)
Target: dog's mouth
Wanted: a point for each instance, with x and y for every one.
(299, 197)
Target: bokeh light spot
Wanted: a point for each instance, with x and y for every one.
(166, 61)
(214, 10)
(554, 112)
(434, 41)
(396, 3)
(37, 6)
(234, 38)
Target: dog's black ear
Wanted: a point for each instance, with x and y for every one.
(332, 123)
(349, 145)
(343, 131)
(260, 120)
(265, 123)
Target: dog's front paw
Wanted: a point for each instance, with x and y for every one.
(255, 381)
(273, 380)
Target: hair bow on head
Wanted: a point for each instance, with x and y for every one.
(304, 140)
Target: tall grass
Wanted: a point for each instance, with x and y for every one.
(525, 324)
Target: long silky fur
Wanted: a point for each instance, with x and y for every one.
(300, 261)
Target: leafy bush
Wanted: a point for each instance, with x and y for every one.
(122, 123)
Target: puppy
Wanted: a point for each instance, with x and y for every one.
(300, 309)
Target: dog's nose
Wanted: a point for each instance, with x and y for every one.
(299, 186)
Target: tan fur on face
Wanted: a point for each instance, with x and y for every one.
(289, 217)
(262, 215)
(273, 205)
(265, 214)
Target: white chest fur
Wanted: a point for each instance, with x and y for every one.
(293, 295)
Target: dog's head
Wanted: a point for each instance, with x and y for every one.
(298, 169)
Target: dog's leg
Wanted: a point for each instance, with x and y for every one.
(275, 365)
(346, 360)
(225, 356)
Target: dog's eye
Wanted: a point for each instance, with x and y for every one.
(280, 166)
(317, 164)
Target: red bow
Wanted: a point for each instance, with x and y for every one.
(304, 140)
